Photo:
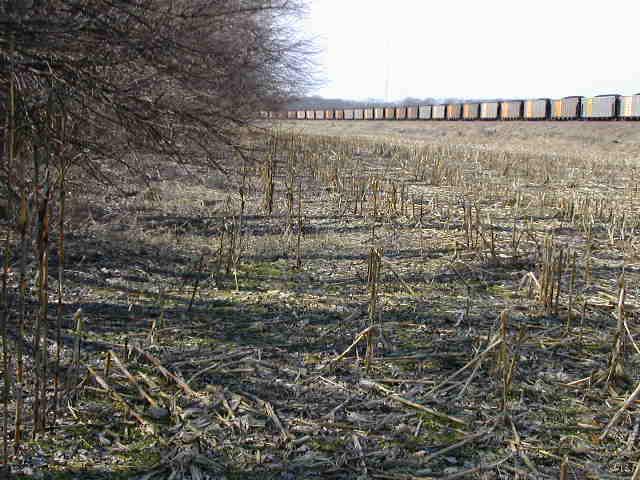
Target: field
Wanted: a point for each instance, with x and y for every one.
(578, 138)
(389, 300)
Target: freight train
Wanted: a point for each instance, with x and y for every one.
(601, 107)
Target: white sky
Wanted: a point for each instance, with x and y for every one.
(476, 48)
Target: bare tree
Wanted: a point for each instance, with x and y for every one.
(96, 85)
(160, 76)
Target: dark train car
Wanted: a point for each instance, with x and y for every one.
(291, 115)
(424, 112)
(358, 114)
(319, 114)
(348, 113)
(629, 107)
(511, 110)
(537, 109)
(389, 113)
(602, 107)
(339, 114)
(454, 111)
(471, 111)
(378, 113)
(438, 112)
(329, 115)
(301, 115)
(489, 110)
(412, 113)
(567, 108)
(311, 115)
(401, 113)
(368, 114)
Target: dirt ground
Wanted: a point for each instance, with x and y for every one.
(496, 341)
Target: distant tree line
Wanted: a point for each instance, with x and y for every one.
(309, 102)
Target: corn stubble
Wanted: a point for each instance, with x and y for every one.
(481, 212)
(456, 188)
(35, 185)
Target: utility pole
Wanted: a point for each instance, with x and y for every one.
(387, 82)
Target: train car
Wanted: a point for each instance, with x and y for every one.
(567, 108)
(537, 109)
(629, 107)
(424, 112)
(454, 111)
(489, 110)
(470, 111)
(438, 112)
(602, 107)
(511, 110)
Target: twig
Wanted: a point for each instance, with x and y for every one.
(132, 380)
(564, 469)
(395, 274)
(636, 472)
(358, 448)
(619, 413)
(480, 468)
(457, 445)
(518, 446)
(197, 283)
(468, 381)
(166, 373)
(361, 335)
(270, 412)
(203, 371)
(403, 381)
(274, 418)
(370, 384)
(626, 327)
(477, 358)
(632, 436)
(116, 396)
(333, 412)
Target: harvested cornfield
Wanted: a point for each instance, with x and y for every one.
(412, 305)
